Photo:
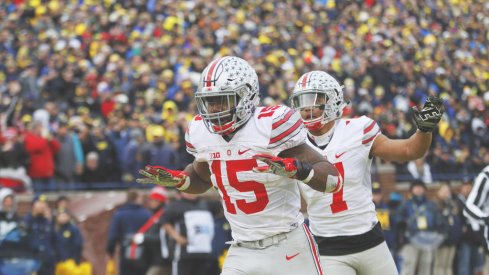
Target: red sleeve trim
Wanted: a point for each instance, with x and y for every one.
(283, 120)
(369, 128)
(371, 138)
(286, 133)
(189, 145)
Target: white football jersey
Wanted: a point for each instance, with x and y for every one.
(257, 205)
(350, 211)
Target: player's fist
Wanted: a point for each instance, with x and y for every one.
(285, 167)
(162, 176)
(428, 117)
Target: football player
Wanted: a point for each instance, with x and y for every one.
(345, 224)
(253, 156)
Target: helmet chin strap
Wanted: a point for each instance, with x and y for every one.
(314, 126)
(324, 139)
(317, 125)
(225, 129)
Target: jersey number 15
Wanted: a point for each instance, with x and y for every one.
(232, 168)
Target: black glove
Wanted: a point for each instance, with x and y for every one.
(429, 116)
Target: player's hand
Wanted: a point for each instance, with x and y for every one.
(429, 116)
(162, 176)
(285, 167)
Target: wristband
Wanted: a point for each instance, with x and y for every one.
(308, 179)
(303, 170)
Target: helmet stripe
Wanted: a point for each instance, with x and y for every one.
(208, 79)
(212, 70)
(304, 80)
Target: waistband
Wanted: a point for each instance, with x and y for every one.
(263, 243)
(344, 245)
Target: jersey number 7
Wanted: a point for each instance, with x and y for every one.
(232, 168)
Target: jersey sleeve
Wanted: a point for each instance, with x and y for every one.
(188, 143)
(287, 130)
(370, 131)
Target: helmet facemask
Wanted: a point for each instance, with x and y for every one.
(313, 107)
(319, 99)
(222, 111)
(227, 95)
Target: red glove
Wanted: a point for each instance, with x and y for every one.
(166, 177)
(285, 167)
(295, 169)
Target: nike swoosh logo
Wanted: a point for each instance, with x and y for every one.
(242, 152)
(288, 258)
(339, 155)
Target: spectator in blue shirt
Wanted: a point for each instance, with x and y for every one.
(126, 221)
(160, 153)
(133, 156)
(69, 241)
(421, 223)
(16, 252)
(386, 216)
(41, 230)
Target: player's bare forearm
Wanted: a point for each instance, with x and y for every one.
(418, 144)
(321, 166)
(200, 177)
(401, 150)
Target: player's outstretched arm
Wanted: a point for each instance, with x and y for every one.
(305, 164)
(195, 179)
(415, 146)
(401, 150)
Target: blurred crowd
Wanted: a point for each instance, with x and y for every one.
(39, 240)
(146, 234)
(187, 234)
(430, 234)
(91, 91)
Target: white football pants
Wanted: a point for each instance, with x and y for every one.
(374, 261)
(292, 253)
